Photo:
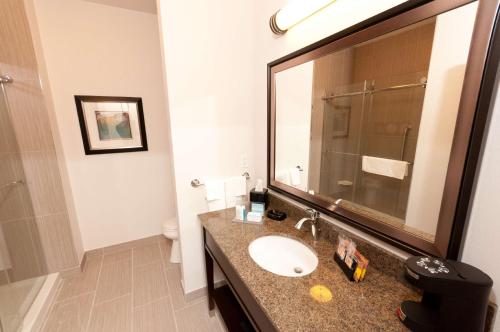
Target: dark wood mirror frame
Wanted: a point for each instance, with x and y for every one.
(477, 90)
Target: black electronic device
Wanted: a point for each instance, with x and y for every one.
(455, 296)
(276, 215)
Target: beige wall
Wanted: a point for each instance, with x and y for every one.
(293, 121)
(94, 49)
(208, 52)
(481, 241)
(34, 216)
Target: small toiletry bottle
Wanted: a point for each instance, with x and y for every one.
(244, 212)
(240, 208)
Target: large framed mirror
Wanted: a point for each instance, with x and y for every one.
(380, 125)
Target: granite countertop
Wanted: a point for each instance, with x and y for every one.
(366, 306)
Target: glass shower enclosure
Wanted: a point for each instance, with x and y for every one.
(22, 263)
(379, 118)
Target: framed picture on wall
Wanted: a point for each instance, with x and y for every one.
(340, 120)
(111, 124)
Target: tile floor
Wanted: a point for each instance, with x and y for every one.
(129, 287)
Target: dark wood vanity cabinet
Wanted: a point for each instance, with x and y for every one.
(238, 308)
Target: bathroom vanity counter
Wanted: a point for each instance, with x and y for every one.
(286, 301)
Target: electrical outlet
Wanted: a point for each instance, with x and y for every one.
(244, 160)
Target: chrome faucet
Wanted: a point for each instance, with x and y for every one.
(314, 220)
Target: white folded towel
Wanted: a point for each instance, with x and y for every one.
(235, 187)
(215, 205)
(5, 262)
(283, 177)
(214, 190)
(387, 167)
(295, 176)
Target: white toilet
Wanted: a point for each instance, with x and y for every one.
(171, 231)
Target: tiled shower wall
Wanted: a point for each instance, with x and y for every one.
(38, 206)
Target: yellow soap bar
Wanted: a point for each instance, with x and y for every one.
(320, 293)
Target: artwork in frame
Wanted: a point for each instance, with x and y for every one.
(340, 121)
(111, 124)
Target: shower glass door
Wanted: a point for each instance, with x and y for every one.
(375, 118)
(390, 129)
(22, 263)
(340, 158)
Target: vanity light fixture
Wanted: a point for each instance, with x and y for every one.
(294, 12)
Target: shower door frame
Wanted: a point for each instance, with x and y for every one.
(36, 282)
(473, 112)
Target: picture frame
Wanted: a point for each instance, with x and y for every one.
(111, 124)
(341, 119)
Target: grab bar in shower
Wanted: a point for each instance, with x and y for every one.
(13, 183)
(405, 137)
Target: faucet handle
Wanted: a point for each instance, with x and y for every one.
(313, 214)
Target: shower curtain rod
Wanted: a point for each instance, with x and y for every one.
(396, 87)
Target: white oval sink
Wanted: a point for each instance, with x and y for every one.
(283, 256)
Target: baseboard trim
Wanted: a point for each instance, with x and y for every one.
(199, 293)
(122, 246)
(83, 262)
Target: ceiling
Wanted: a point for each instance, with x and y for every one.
(147, 6)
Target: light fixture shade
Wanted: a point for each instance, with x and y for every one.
(294, 12)
(274, 27)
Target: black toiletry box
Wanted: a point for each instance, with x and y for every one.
(258, 197)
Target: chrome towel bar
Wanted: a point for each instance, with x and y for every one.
(195, 183)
